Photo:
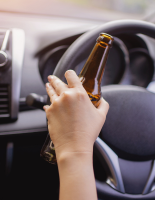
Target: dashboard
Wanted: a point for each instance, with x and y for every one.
(35, 45)
(47, 38)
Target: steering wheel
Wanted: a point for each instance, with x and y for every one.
(126, 145)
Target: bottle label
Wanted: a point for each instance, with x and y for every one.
(94, 98)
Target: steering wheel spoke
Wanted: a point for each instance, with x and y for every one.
(149, 187)
(105, 152)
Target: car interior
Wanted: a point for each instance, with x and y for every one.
(36, 42)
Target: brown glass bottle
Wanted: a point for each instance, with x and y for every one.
(92, 72)
(90, 76)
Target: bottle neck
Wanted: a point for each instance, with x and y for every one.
(102, 65)
(92, 72)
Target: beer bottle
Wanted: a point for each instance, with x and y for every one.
(90, 76)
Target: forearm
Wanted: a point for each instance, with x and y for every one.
(74, 124)
(77, 177)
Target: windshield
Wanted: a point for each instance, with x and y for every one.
(105, 10)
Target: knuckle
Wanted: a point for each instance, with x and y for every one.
(103, 116)
(52, 97)
(55, 103)
(57, 83)
(107, 104)
(80, 95)
(66, 95)
(48, 112)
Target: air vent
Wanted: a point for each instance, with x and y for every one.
(4, 101)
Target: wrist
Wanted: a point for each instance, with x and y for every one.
(64, 156)
(74, 160)
(78, 148)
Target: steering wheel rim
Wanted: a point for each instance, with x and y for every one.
(81, 47)
(77, 52)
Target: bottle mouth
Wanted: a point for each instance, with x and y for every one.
(105, 38)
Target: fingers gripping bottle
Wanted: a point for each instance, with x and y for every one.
(90, 76)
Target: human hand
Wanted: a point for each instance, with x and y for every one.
(73, 121)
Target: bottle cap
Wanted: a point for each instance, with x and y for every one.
(105, 38)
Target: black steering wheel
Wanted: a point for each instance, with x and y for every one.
(126, 145)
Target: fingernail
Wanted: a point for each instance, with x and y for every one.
(70, 70)
(48, 85)
(50, 77)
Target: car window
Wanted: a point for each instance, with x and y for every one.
(105, 10)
